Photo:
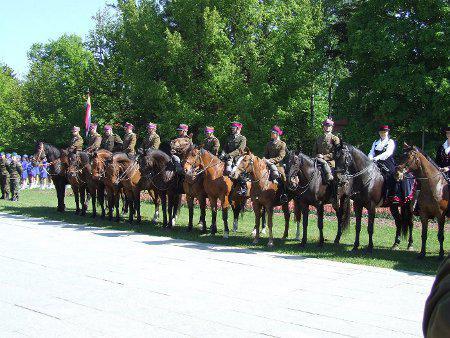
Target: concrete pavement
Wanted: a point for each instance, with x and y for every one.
(64, 280)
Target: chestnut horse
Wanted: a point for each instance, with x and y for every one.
(78, 173)
(216, 185)
(263, 192)
(434, 192)
(57, 171)
(97, 179)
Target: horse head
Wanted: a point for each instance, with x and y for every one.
(73, 162)
(409, 161)
(293, 170)
(180, 146)
(99, 164)
(244, 164)
(192, 163)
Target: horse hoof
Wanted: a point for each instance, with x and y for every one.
(368, 251)
(263, 231)
(255, 241)
(395, 247)
(94, 216)
(189, 229)
(225, 235)
(254, 233)
(355, 249)
(320, 245)
(336, 242)
(410, 248)
(270, 244)
(302, 245)
(139, 219)
(421, 255)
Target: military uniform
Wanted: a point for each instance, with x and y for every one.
(325, 145)
(4, 178)
(15, 172)
(76, 144)
(129, 144)
(111, 143)
(211, 144)
(274, 153)
(94, 142)
(235, 143)
(151, 142)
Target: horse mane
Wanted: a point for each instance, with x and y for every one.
(158, 158)
(420, 151)
(51, 149)
(353, 150)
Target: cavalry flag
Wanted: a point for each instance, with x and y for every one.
(87, 118)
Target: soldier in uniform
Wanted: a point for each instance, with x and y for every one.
(274, 154)
(110, 141)
(211, 143)
(15, 172)
(152, 141)
(94, 139)
(76, 144)
(182, 130)
(129, 141)
(235, 144)
(4, 177)
(324, 147)
(443, 155)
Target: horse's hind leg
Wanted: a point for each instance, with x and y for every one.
(441, 224)
(76, 194)
(358, 215)
(305, 214)
(83, 201)
(202, 202)
(236, 211)
(164, 208)
(94, 203)
(270, 224)
(213, 202)
(370, 226)
(407, 219)
(190, 203)
(101, 200)
(298, 218)
(226, 231)
(258, 216)
(398, 226)
(320, 225)
(424, 220)
(287, 216)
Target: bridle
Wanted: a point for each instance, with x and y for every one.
(305, 187)
(199, 159)
(252, 171)
(406, 168)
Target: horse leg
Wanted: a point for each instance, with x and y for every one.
(111, 203)
(236, 211)
(77, 200)
(137, 205)
(358, 215)
(226, 231)
(171, 210)
(298, 218)
(398, 225)
(287, 216)
(424, 221)
(101, 199)
(370, 225)
(270, 224)
(130, 197)
(116, 206)
(305, 214)
(257, 210)
(164, 208)
(94, 202)
(408, 218)
(320, 225)
(213, 215)
(202, 202)
(190, 202)
(83, 201)
(263, 220)
(441, 224)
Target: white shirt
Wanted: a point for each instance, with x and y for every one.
(379, 145)
(446, 146)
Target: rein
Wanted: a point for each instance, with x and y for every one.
(305, 187)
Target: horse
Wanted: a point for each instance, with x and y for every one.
(360, 179)
(57, 170)
(158, 174)
(78, 173)
(216, 185)
(263, 192)
(434, 193)
(98, 166)
(304, 179)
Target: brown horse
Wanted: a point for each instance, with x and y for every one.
(434, 192)
(78, 173)
(216, 185)
(97, 180)
(264, 192)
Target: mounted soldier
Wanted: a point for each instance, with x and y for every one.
(76, 144)
(129, 141)
(152, 141)
(235, 144)
(211, 143)
(94, 139)
(4, 182)
(110, 141)
(443, 155)
(274, 154)
(182, 131)
(324, 147)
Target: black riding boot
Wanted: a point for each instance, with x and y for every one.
(283, 195)
(242, 186)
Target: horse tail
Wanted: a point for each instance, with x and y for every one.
(346, 214)
(405, 219)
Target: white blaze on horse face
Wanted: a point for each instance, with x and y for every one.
(237, 165)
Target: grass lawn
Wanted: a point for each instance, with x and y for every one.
(38, 203)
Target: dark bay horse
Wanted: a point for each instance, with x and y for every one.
(217, 186)
(97, 179)
(360, 179)
(78, 174)
(57, 169)
(263, 192)
(434, 192)
(305, 180)
(158, 175)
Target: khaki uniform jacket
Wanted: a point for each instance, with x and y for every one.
(4, 167)
(234, 145)
(152, 141)
(76, 143)
(111, 143)
(15, 170)
(94, 142)
(436, 317)
(275, 152)
(325, 145)
(211, 144)
(129, 143)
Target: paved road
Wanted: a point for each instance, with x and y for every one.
(63, 280)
